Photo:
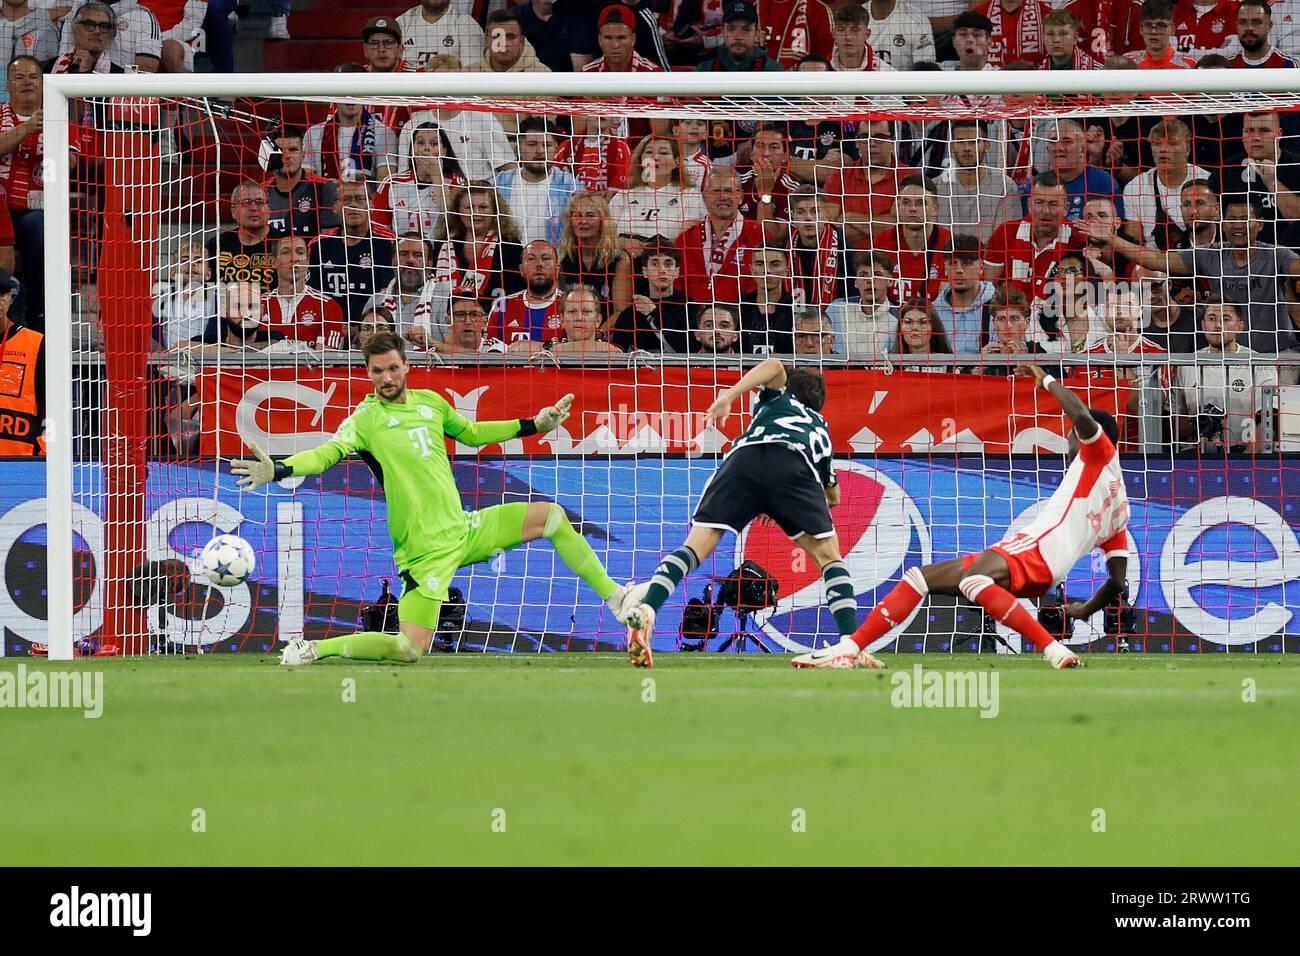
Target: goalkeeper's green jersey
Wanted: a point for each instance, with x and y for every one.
(781, 419)
(404, 446)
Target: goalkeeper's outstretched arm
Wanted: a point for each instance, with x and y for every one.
(459, 427)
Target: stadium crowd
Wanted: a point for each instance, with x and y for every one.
(470, 232)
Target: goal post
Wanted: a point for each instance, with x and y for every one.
(635, 406)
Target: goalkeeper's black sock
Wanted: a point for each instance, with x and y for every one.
(840, 598)
(669, 574)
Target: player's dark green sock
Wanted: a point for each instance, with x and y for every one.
(669, 574)
(840, 598)
(576, 553)
(369, 646)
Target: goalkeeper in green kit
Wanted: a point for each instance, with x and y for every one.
(399, 433)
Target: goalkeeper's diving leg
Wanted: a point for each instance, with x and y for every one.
(491, 531)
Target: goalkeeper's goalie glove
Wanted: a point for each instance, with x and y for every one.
(550, 417)
(258, 470)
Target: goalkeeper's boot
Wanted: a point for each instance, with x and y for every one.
(640, 625)
(1060, 656)
(298, 652)
(841, 656)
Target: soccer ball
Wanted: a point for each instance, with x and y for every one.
(228, 560)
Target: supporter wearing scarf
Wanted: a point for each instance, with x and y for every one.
(361, 152)
(825, 284)
(1029, 33)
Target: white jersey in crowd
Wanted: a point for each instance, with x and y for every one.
(183, 312)
(137, 34)
(414, 207)
(903, 37)
(29, 35)
(697, 168)
(426, 309)
(1140, 200)
(455, 33)
(1229, 381)
(645, 212)
(1089, 510)
(477, 140)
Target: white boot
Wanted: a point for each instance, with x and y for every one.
(278, 29)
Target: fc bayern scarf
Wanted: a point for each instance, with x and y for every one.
(1029, 37)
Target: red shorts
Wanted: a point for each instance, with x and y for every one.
(1030, 575)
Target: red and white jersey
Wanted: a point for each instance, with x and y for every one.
(20, 171)
(404, 205)
(697, 168)
(917, 274)
(794, 28)
(1088, 510)
(310, 316)
(1024, 264)
(1141, 345)
(639, 64)
(1276, 60)
(600, 163)
(517, 318)
(1109, 26)
(1198, 33)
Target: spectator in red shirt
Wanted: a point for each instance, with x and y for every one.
(1017, 29)
(299, 312)
(1254, 23)
(1025, 252)
(862, 194)
(1199, 29)
(794, 28)
(531, 315)
(917, 244)
(616, 36)
(715, 266)
(1107, 27)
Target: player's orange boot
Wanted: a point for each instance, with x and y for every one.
(640, 625)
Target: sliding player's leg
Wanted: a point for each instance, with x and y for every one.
(993, 580)
(502, 528)
(644, 600)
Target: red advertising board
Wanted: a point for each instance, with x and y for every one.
(629, 411)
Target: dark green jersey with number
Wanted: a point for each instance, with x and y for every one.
(781, 419)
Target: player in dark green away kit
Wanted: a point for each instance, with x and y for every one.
(781, 467)
(399, 433)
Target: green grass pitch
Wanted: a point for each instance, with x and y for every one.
(713, 771)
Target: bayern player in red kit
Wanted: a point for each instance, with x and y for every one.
(1088, 510)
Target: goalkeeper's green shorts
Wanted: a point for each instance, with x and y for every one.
(491, 531)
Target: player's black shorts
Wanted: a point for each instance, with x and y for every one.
(765, 479)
